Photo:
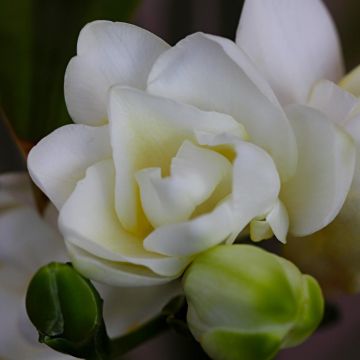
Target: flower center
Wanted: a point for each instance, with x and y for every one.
(199, 179)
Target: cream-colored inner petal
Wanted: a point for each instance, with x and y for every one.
(196, 174)
(146, 132)
(315, 195)
(88, 220)
(336, 103)
(193, 236)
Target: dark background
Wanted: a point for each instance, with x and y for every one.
(38, 37)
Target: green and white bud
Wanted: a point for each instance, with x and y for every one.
(246, 303)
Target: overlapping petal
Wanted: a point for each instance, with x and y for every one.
(59, 160)
(195, 174)
(88, 221)
(147, 131)
(107, 54)
(214, 74)
(256, 183)
(191, 237)
(313, 198)
(113, 273)
(336, 103)
(351, 82)
(353, 129)
(275, 223)
(278, 220)
(294, 43)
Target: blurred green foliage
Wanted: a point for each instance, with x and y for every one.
(38, 38)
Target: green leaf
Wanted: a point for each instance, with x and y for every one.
(38, 38)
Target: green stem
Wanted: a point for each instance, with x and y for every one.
(150, 329)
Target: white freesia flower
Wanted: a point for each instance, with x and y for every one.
(295, 45)
(27, 242)
(176, 150)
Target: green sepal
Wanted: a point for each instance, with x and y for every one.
(240, 346)
(310, 314)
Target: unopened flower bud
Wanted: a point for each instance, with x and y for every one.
(66, 310)
(246, 303)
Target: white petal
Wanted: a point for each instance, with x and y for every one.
(88, 220)
(108, 53)
(256, 183)
(355, 111)
(127, 308)
(193, 236)
(195, 174)
(353, 128)
(214, 74)
(351, 82)
(26, 243)
(18, 335)
(325, 170)
(59, 160)
(276, 222)
(278, 219)
(294, 43)
(113, 273)
(243, 61)
(164, 200)
(225, 141)
(146, 132)
(260, 230)
(336, 247)
(336, 103)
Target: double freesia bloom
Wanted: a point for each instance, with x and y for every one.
(27, 242)
(177, 149)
